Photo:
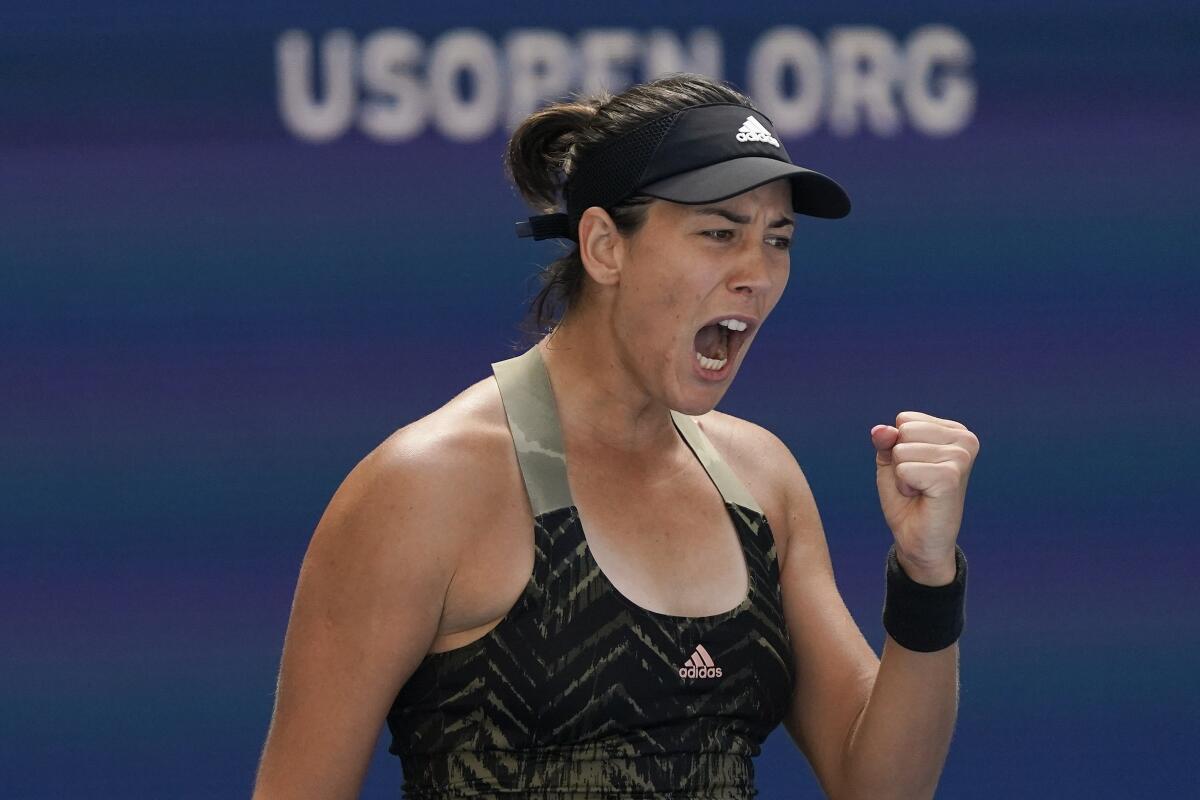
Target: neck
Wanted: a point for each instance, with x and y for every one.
(602, 404)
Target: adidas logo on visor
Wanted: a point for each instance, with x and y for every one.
(700, 665)
(754, 131)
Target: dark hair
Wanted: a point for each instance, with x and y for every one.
(544, 149)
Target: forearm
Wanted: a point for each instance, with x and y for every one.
(899, 743)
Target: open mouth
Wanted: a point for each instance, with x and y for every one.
(716, 346)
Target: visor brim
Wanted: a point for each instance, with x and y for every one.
(813, 194)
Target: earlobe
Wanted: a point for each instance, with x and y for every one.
(600, 246)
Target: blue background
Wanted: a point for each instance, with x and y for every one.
(206, 322)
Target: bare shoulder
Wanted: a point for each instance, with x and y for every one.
(768, 469)
(466, 427)
(762, 461)
(458, 456)
(371, 594)
(414, 500)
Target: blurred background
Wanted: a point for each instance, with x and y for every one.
(242, 244)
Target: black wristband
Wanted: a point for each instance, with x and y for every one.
(920, 617)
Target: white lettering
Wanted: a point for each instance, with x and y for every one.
(865, 70)
(304, 115)
(394, 85)
(930, 113)
(468, 52)
(389, 58)
(606, 56)
(539, 66)
(776, 52)
(664, 54)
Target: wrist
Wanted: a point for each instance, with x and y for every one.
(937, 572)
(924, 617)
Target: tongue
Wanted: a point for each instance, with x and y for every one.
(712, 341)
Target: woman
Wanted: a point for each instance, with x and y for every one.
(651, 657)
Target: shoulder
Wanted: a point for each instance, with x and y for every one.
(404, 517)
(372, 591)
(430, 484)
(468, 427)
(769, 470)
(759, 457)
(464, 443)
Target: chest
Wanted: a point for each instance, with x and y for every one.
(659, 534)
(601, 695)
(663, 538)
(578, 674)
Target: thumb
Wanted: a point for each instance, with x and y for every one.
(884, 437)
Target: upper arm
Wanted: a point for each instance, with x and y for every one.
(835, 666)
(367, 607)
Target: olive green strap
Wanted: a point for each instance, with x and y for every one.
(728, 484)
(533, 419)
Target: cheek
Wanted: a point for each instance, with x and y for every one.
(673, 307)
(658, 293)
(658, 302)
(651, 322)
(778, 284)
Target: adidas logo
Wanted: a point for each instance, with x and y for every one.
(754, 131)
(700, 665)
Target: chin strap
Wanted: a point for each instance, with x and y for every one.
(546, 226)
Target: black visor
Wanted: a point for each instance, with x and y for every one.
(701, 154)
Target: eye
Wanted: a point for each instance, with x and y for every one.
(718, 231)
(782, 242)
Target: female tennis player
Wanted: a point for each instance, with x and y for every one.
(576, 578)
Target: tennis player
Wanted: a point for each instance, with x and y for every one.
(577, 579)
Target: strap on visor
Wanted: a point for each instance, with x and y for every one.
(545, 226)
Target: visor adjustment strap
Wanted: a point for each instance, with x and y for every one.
(545, 226)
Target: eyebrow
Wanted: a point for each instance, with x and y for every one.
(740, 219)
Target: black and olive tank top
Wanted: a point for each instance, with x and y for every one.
(578, 692)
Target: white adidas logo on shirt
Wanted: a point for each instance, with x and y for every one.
(754, 131)
(700, 665)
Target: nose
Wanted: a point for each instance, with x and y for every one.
(754, 268)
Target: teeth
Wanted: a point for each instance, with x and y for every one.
(733, 324)
(714, 364)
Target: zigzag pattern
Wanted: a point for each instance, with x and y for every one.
(577, 692)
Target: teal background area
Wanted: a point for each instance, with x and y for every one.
(205, 323)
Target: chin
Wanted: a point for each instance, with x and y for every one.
(699, 403)
(697, 411)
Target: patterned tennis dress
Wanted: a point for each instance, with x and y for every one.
(578, 692)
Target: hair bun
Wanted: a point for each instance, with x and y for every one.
(539, 154)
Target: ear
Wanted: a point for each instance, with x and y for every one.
(601, 246)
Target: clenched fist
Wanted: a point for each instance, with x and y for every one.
(921, 469)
